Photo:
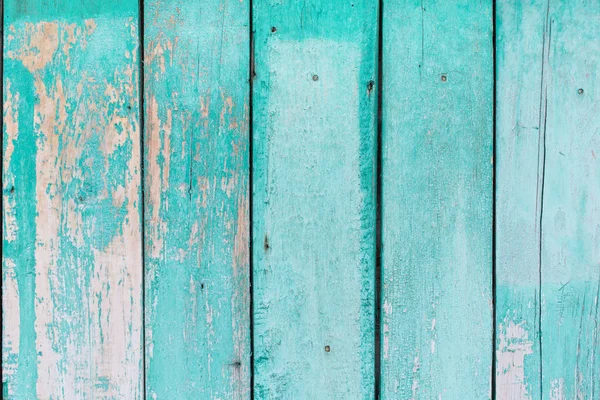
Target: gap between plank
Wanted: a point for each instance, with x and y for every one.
(378, 202)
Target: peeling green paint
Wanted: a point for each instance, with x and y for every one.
(71, 194)
(197, 199)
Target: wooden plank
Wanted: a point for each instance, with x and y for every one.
(437, 200)
(548, 200)
(548, 134)
(570, 202)
(520, 50)
(314, 198)
(197, 205)
(71, 260)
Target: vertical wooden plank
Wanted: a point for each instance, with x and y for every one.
(197, 201)
(548, 165)
(314, 198)
(570, 196)
(520, 50)
(71, 258)
(437, 199)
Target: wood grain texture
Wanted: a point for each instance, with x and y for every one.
(71, 257)
(519, 60)
(437, 200)
(197, 199)
(314, 198)
(548, 200)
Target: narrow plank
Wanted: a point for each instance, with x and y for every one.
(71, 260)
(570, 201)
(437, 200)
(548, 200)
(520, 47)
(313, 231)
(197, 199)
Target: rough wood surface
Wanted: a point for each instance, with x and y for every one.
(548, 200)
(314, 198)
(520, 53)
(197, 200)
(71, 256)
(437, 200)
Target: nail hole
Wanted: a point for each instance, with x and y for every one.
(202, 286)
(327, 349)
(444, 78)
(12, 189)
(315, 78)
(266, 244)
(273, 29)
(580, 91)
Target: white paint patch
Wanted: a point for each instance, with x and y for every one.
(387, 313)
(11, 129)
(415, 382)
(510, 370)
(11, 322)
(557, 391)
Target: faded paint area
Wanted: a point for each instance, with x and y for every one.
(197, 219)
(71, 147)
(548, 210)
(314, 221)
(11, 129)
(519, 74)
(514, 345)
(570, 223)
(10, 322)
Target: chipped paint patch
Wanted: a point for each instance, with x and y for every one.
(78, 130)
(514, 345)
(11, 324)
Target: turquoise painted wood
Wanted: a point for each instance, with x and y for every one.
(314, 157)
(197, 199)
(437, 200)
(548, 200)
(520, 51)
(126, 267)
(72, 246)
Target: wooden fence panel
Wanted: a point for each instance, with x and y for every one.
(314, 108)
(71, 256)
(273, 133)
(437, 200)
(197, 199)
(548, 194)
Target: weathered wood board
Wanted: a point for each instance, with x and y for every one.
(314, 158)
(71, 254)
(197, 199)
(436, 200)
(519, 60)
(139, 205)
(548, 197)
